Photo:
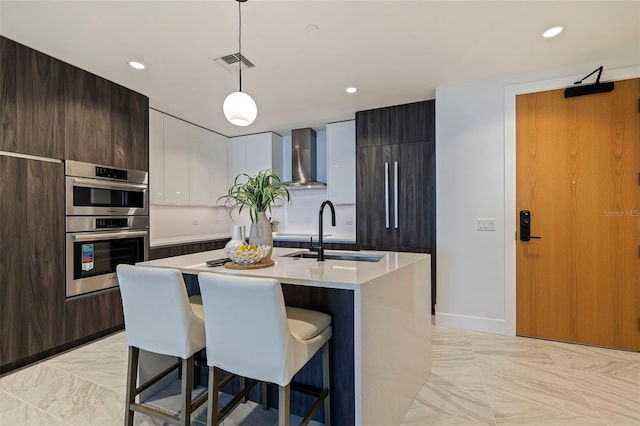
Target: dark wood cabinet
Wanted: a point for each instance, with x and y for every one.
(410, 224)
(403, 138)
(39, 104)
(87, 110)
(130, 128)
(182, 249)
(95, 313)
(407, 123)
(52, 109)
(105, 123)
(8, 115)
(31, 257)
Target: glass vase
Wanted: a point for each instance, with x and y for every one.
(260, 233)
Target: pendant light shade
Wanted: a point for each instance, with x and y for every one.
(239, 108)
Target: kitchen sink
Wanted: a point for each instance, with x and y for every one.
(358, 257)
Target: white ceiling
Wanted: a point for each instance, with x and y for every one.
(393, 51)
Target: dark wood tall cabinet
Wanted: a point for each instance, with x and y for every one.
(395, 188)
(31, 257)
(54, 110)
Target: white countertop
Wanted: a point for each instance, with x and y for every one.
(330, 273)
(186, 239)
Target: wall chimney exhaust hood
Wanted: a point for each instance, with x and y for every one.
(304, 160)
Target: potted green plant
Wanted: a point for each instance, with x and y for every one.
(258, 193)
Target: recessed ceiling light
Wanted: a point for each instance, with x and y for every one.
(352, 89)
(136, 65)
(552, 32)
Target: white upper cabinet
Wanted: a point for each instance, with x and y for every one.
(156, 156)
(177, 140)
(188, 164)
(341, 162)
(199, 166)
(218, 177)
(253, 153)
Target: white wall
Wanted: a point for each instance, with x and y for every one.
(475, 178)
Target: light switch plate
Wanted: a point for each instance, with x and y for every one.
(486, 224)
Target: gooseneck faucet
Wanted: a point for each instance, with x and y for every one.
(320, 248)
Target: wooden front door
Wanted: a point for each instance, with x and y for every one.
(578, 165)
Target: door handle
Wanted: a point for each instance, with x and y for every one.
(386, 194)
(525, 226)
(395, 194)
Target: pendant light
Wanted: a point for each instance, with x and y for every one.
(239, 108)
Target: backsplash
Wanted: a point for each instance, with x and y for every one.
(301, 216)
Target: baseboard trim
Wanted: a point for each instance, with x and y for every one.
(6, 368)
(465, 322)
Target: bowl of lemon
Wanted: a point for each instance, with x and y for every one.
(247, 254)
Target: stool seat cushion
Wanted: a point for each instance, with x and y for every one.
(305, 324)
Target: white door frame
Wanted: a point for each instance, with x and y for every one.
(510, 174)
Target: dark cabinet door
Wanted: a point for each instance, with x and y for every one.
(130, 128)
(8, 114)
(92, 314)
(374, 192)
(87, 117)
(407, 123)
(31, 257)
(39, 104)
(416, 196)
(403, 220)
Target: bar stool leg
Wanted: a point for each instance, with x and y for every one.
(212, 401)
(284, 394)
(265, 395)
(187, 386)
(326, 381)
(132, 379)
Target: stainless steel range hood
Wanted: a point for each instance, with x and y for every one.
(304, 160)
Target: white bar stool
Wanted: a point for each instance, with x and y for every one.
(159, 318)
(251, 333)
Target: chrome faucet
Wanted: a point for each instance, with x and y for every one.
(320, 248)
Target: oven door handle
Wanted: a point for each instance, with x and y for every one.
(107, 184)
(107, 235)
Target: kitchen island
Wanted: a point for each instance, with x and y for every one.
(381, 350)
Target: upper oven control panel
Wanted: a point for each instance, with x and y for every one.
(106, 172)
(98, 171)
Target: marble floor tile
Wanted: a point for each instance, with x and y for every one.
(14, 412)
(476, 379)
(114, 344)
(524, 414)
(615, 398)
(76, 359)
(29, 378)
(531, 388)
(563, 351)
(78, 401)
(110, 372)
(447, 399)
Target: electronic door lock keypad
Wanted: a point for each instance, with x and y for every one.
(525, 226)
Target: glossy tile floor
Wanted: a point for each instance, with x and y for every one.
(477, 379)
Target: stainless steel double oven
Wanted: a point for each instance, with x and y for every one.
(107, 223)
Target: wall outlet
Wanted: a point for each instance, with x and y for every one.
(348, 222)
(194, 222)
(486, 224)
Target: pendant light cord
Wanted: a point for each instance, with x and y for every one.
(240, 41)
